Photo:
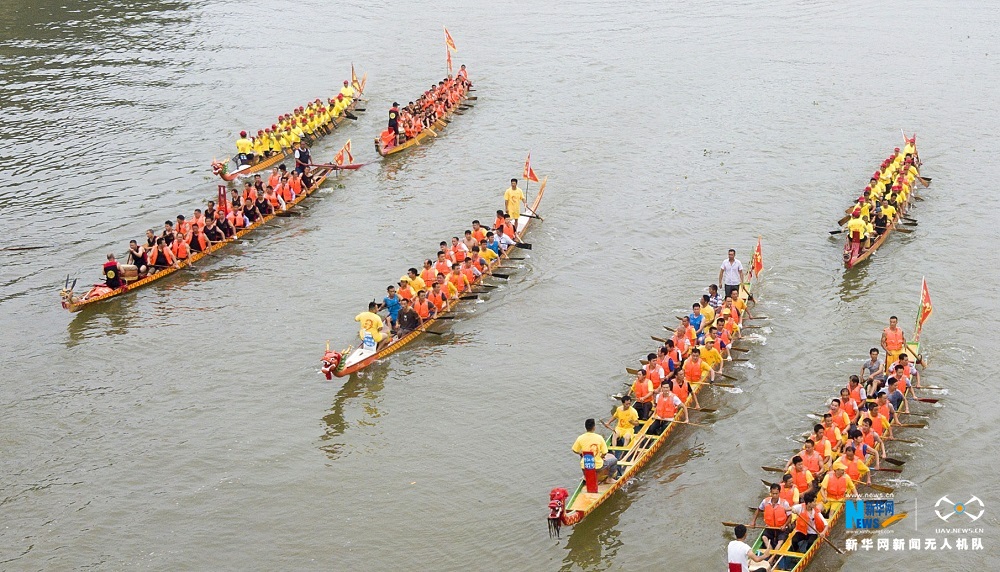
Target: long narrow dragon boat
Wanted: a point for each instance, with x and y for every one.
(633, 456)
(345, 363)
(427, 132)
(854, 251)
(221, 168)
(100, 292)
(788, 559)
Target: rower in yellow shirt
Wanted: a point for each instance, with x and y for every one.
(244, 149)
(371, 324)
(856, 227)
(260, 145)
(888, 210)
(627, 418)
(710, 355)
(348, 92)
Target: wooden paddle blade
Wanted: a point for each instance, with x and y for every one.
(773, 469)
(433, 332)
(766, 484)
(524, 245)
(702, 409)
(469, 297)
(907, 441)
(889, 470)
(893, 461)
(731, 348)
(904, 230)
(913, 425)
(502, 276)
(836, 231)
(927, 400)
(516, 258)
(669, 329)
(729, 377)
(843, 220)
(656, 339)
(632, 371)
(880, 488)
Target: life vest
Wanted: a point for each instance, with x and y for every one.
(388, 138)
(665, 407)
(774, 514)
(442, 267)
(831, 435)
(692, 371)
(159, 257)
(787, 493)
(883, 410)
(469, 275)
(841, 420)
(478, 263)
(295, 184)
(878, 425)
(273, 199)
(181, 249)
(852, 469)
(198, 239)
(458, 281)
(850, 408)
(274, 180)
(681, 391)
(428, 274)
(855, 394)
(479, 234)
(802, 523)
(643, 390)
(437, 298)
(508, 229)
(285, 192)
(422, 308)
(800, 480)
(407, 293)
(812, 462)
(653, 373)
(460, 252)
(893, 340)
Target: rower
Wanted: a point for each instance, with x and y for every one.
(682, 387)
(470, 241)
(437, 297)
(416, 282)
(895, 397)
(447, 288)
(840, 417)
(909, 372)
(801, 476)
(212, 232)
(390, 303)
(428, 274)
(348, 92)
(150, 239)
(592, 445)
(443, 264)
(112, 273)
(302, 159)
(862, 449)
(789, 492)
(460, 251)
(471, 272)
(478, 232)
(697, 370)
(811, 459)
(406, 290)
(832, 432)
(244, 150)
(670, 356)
(711, 355)
(719, 341)
(836, 486)
(855, 229)
(869, 437)
(643, 390)
(493, 243)
(848, 404)
(809, 525)
(407, 319)
(197, 239)
(160, 256)
(872, 372)
(513, 198)
(423, 307)
(855, 466)
(707, 311)
(137, 256)
(626, 419)
(372, 329)
(739, 554)
(654, 371)
(696, 320)
(880, 423)
(506, 238)
(459, 280)
(777, 512)
(667, 406)
(821, 444)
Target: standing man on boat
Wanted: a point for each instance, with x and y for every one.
(594, 444)
(513, 198)
(394, 119)
(302, 157)
(348, 92)
(244, 150)
(739, 553)
(893, 341)
(731, 273)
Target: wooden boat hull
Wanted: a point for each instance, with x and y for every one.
(75, 304)
(437, 127)
(583, 503)
(360, 358)
(218, 167)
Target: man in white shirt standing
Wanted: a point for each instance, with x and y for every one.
(740, 553)
(731, 273)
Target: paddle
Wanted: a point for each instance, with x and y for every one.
(837, 231)
(889, 470)
(715, 383)
(927, 400)
(702, 409)
(907, 441)
(724, 523)
(929, 387)
(914, 414)
(738, 349)
(879, 488)
(727, 376)
(18, 248)
(843, 220)
(503, 276)
(656, 339)
(515, 258)
(532, 216)
(669, 329)
(903, 230)
(913, 425)
(524, 245)
(758, 317)
(469, 297)
(832, 545)
(893, 461)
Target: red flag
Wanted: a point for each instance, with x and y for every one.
(339, 158)
(347, 149)
(223, 203)
(448, 41)
(757, 260)
(354, 80)
(925, 309)
(529, 173)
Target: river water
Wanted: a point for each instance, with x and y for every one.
(186, 426)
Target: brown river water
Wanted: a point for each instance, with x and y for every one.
(186, 426)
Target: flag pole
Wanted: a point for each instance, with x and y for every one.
(920, 309)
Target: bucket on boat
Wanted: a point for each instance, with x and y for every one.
(130, 272)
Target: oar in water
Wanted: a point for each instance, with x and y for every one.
(913, 425)
(715, 383)
(929, 387)
(758, 317)
(907, 441)
(879, 488)
(893, 461)
(702, 409)
(516, 258)
(837, 231)
(844, 220)
(913, 414)
(661, 340)
(469, 297)
(725, 523)
(532, 216)
(498, 275)
(727, 376)
(774, 470)
(524, 245)
(927, 400)
(903, 230)
(669, 329)
(889, 470)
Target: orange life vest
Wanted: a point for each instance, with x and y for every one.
(388, 138)
(868, 438)
(799, 478)
(812, 462)
(479, 234)
(802, 523)
(681, 391)
(458, 281)
(273, 199)
(459, 253)
(295, 184)
(285, 192)
(653, 372)
(643, 390)
(787, 493)
(893, 340)
(850, 408)
(831, 435)
(841, 420)
(274, 180)
(181, 249)
(437, 298)
(407, 293)
(774, 513)
(443, 267)
(429, 274)
(665, 407)
(469, 275)
(422, 308)
(692, 370)
(852, 469)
